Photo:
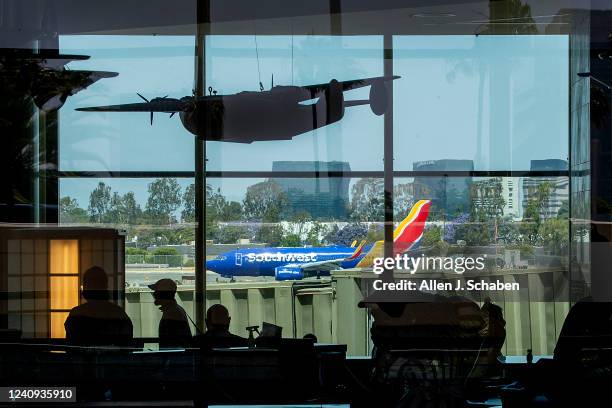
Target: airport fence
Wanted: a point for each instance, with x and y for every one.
(328, 308)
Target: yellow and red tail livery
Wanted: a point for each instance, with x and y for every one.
(410, 231)
(406, 236)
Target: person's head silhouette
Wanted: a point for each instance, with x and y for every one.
(95, 284)
(163, 291)
(217, 318)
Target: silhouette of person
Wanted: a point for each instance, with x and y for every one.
(493, 333)
(98, 321)
(174, 328)
(588, 325)
(217, 327)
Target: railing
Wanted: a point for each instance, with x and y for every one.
(328, 308)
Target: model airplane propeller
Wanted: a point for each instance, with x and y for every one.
(280, 113)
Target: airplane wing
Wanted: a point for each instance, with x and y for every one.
(165, 105)
(330, 264)
(320, 266)
(351, 84)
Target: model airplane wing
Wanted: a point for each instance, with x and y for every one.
(351, 84)
(166, 105)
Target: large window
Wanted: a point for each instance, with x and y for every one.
(475, 129)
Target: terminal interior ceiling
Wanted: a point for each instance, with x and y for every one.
(208, 192)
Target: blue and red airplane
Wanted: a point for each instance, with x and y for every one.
(295, 263)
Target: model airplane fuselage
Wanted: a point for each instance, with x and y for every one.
(280, 113)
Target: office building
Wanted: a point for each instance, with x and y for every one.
(555, 189)
(322, 197)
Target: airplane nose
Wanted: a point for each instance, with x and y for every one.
(212, 265)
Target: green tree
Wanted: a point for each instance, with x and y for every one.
(563, 212)
(123, 209)
(135, 251)
(230, 211)
(171, 256)
(264, 200)
(555, 235)
(432, 236)
(230, 234)
(301, 219)
(367, 201)
(188, 213)
(290, 240)
(375, 233)
(130, 210)
(99, 203)
(164, 199)
(70, 212)
(317, 229)
(535, 212)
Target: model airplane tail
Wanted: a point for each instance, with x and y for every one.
(406, 236)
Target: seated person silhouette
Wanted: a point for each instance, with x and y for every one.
(425, 347)
(174, 328)
(581, 370)
(217, 328)
(98, 321)
(588, 325)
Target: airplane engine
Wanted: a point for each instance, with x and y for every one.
(334, 98)
(282, 273)
(50, 102)
(378, 98)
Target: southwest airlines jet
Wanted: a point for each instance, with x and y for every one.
(295, 263)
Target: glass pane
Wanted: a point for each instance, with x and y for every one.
(64, 256)
(518, 229)
(264, 237)
(480, 102)
(64, 292)
(157, 216)
(154, 66)
(58, 331)
(241, 63)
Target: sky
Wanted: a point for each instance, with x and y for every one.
(500, 101)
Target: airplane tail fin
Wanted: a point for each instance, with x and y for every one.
(410, 231)
(377, 251)
(406, 236)
(357, 252)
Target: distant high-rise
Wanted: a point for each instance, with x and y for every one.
(511, 193)
(559, 186)
(322, 197)
(448, 193)
(486, 192)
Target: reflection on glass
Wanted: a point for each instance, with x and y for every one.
(482, 99)
(153, 66)
(58, 331)
(64, 292)
(64, 256)
(240, 63)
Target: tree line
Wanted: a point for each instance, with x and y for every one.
(477, 217)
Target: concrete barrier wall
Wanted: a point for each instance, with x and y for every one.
(328, 308)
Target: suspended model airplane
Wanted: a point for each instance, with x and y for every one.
(43, 77)
(280, 113)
